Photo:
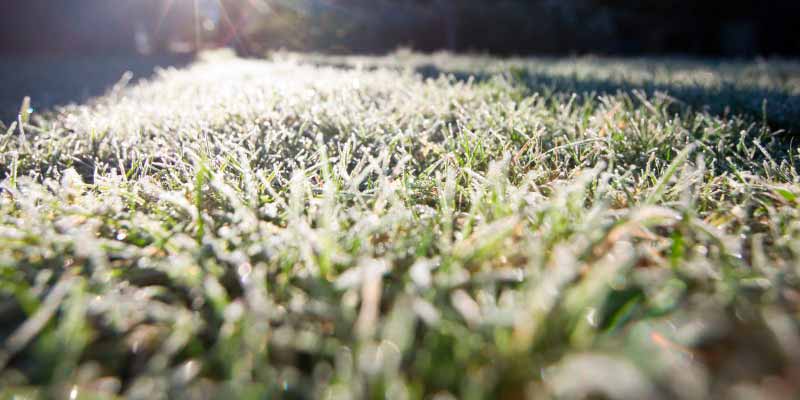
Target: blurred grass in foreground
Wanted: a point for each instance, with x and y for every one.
(311, 227)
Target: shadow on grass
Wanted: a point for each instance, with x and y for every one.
(58, 80)
(779, 109)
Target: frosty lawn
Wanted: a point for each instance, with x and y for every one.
(408, 227)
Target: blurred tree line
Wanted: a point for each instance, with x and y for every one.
(96, 26)
(727, 28)
(711, 27)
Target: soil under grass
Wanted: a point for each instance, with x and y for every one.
(411, 227)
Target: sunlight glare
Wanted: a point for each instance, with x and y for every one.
(208, 17)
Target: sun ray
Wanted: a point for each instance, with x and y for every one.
(196, 25)
(162, 15)
(234, 27)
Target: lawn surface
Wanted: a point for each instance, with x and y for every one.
(408, 227)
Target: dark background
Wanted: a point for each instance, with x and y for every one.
(505, 27)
